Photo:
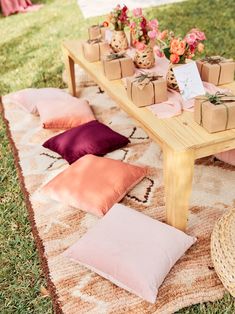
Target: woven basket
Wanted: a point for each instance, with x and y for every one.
(223, 250)
(119, 41)
(170, 77)
(144, 59)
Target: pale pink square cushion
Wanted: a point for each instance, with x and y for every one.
(132, 250)
(57, 109)
(94, 184)
(25, 98)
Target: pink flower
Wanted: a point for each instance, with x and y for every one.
(200, 35)
(132, 25)
(191, 38)
(124, 9)
(174, 58)
(143, 22)
(200, 47)
(153, 24)
(137, 12)
(152, 34)
(139, 45)
(118, 7)
(192, 48)
(158, 52)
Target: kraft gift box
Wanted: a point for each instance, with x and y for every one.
(97, 31)
(117, 66)
(215, 117)
(93, 50)
(146, 89)
(216, 70)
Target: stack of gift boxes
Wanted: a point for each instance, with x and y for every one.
(143, 89)
(216, 112)
(213, 112)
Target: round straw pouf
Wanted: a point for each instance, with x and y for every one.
(223, 250)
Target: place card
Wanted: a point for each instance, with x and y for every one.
(189, 80)
(108, 35)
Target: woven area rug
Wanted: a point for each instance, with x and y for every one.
(75, 289)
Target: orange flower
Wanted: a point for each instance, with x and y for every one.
(163, 34)
(200, 47)
(105, 24)
(177, 46)
(174, 58)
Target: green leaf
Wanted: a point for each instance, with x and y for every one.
(167, 52)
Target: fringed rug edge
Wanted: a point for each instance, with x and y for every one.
(38, 241)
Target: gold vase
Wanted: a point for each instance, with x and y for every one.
(119, 41)
(144, 59)
(170, 77)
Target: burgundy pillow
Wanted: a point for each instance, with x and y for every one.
(90, 138)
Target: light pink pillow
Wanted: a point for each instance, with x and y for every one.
(24, 98)
(94, 184)
(132, 250)
(57, 109)
(228, 157)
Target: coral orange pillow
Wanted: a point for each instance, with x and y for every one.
(132, 250)
(57, 109)
(94, 184)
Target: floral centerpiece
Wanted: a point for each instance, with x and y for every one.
(119, 18)
(144, 34)
(178, 49)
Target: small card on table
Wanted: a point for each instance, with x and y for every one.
(189, 80)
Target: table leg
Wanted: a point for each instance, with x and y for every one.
(178, 176)
(69, 66)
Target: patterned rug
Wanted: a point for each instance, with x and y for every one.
(73, 288)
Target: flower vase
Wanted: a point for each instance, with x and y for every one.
(119, 41)
(144, 58)
(170, 77)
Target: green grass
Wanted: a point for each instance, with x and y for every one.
(30, 56)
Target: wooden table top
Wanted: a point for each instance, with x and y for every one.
(180, 133)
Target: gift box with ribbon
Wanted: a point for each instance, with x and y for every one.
(146, 89)
(97, 32)
(215, 112)
(117, 66)
(94, 49)
(216, 70)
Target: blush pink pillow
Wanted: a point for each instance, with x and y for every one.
(132, 250)
(24, 98)
(228, 157)
(94, 184)
(57, 109)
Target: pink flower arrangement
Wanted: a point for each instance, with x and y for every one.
(142, 30)
(177, 50)
(137, 12)
(119, 18)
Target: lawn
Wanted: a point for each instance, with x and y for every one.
(30, 56)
